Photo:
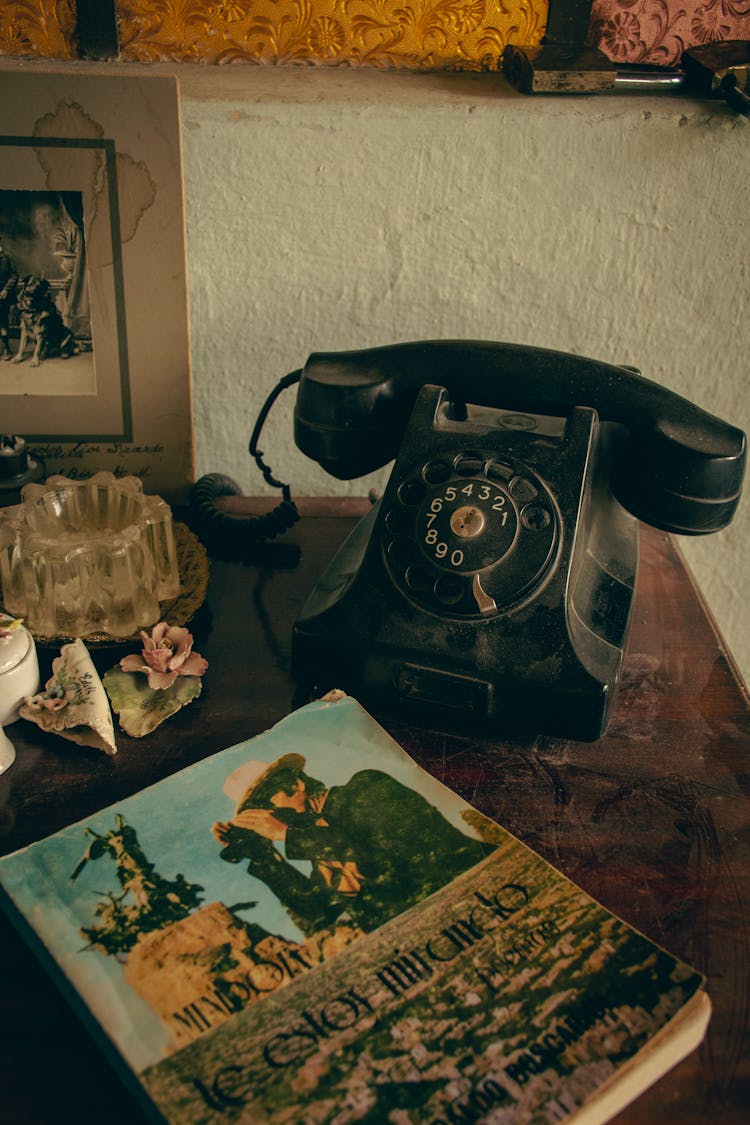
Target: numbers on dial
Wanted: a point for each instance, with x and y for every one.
(467, 539)
(467, 525)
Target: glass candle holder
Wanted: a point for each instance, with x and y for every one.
(83, 557)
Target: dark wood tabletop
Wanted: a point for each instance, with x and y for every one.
(653, 820)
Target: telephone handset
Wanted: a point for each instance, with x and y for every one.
(493, 581)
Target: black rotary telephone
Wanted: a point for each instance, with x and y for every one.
(493, 581)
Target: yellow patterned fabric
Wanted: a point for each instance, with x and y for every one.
(38, 28)
(421, 34)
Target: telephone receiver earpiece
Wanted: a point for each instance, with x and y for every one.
(675, 466)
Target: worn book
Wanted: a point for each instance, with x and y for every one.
(307, 927)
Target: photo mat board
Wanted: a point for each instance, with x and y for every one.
(91, 214)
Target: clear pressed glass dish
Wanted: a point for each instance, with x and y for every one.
(83, 557)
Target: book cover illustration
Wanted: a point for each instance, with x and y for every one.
(308, 927)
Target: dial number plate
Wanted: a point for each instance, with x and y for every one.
(467, 525)
(471, 536)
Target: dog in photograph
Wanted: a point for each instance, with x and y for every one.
(8, 295)
(41, 323)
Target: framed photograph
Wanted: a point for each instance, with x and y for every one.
(94, 343)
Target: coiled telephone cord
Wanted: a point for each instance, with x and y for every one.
(226, 533)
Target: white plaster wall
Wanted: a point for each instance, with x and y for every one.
(347, 209)
(343, 209)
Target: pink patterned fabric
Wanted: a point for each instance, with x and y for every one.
(657, 31)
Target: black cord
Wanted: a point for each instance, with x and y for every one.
(257, 454)
(235, 536)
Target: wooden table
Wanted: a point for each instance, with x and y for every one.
(653, 820)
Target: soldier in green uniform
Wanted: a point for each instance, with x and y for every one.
(376, 846)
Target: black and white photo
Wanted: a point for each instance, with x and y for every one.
(46, 342)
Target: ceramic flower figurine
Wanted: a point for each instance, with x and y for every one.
(167, 654)
(55, 696)
(173, 673)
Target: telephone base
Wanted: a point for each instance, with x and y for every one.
(492, 585)
(442, 700)
(334, 645)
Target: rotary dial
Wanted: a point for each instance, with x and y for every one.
(470, 536)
